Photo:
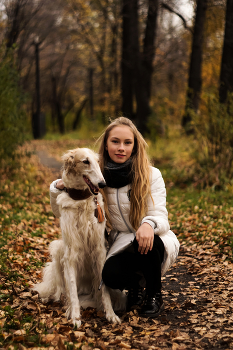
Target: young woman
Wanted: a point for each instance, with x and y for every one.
(142, 247)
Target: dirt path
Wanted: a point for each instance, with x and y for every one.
(49, 162)
(198, 313)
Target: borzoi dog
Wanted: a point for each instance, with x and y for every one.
(78, 258)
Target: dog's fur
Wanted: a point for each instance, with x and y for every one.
(78, 258)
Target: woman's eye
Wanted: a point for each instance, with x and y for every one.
(86, 161)
(128, 143)
(114, 141)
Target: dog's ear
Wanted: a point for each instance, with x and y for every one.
(68, 159)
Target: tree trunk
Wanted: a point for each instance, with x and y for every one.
(14, 30)
(91, 92)
(195, 69)
(60, 118)
(130, 54)
(113, 79)
(226, 76)
(78, 114)
(57, 107)
(145, 69)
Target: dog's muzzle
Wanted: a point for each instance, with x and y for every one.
(101, 184)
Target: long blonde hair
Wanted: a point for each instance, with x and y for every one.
(140, 168)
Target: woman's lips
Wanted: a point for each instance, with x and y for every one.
(120, 155)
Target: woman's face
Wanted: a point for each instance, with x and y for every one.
(120, 143)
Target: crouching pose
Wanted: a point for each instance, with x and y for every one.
(142, 245)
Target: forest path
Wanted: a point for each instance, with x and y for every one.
(48, 161)
(198, 313)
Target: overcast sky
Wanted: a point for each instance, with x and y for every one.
(186, 8)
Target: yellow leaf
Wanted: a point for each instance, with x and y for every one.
(124, 345)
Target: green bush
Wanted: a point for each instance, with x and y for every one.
(214, 133)
(12, 114)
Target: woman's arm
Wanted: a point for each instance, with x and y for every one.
(156, 220)
(55, 189)
(157, 215)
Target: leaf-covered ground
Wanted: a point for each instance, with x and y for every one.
(197, 290)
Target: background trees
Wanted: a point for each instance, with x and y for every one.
(133, 56)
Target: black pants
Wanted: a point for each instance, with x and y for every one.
(121, 271)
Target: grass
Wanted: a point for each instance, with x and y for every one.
(201, 217)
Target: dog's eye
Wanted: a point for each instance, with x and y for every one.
(71, 157)
(86, 161)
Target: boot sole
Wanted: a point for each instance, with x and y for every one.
(152, 315)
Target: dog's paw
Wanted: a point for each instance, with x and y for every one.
(45, 300)
(113, 318)
(76, 317)
(76, 322)
(68, 312)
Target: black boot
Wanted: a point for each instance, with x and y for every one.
(153, 305)
(135, 298)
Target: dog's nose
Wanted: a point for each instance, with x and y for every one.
(102, 184)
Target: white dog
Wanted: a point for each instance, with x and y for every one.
(78, 258)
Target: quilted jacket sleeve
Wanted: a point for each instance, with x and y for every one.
(157, 211)
(54, 192)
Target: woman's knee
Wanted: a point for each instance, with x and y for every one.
(157, 249)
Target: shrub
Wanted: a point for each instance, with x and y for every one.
(214, 132)
(12, 115)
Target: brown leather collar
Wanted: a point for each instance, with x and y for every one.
(78, 194)
(84, 194)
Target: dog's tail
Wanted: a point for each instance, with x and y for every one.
(53, 284)
(119, 299)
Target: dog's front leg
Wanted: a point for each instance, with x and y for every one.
(106, 299)
(107, 304)
(70, 274)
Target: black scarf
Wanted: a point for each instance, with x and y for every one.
(118, 174)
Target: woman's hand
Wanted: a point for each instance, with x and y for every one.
(60, 185)
(145, 238)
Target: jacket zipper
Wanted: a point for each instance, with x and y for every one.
(118, 203)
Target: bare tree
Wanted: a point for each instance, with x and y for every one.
(195, 68)
(145, 70)
(130, 55)
(226, 76)
(19, 14)
(137, 64)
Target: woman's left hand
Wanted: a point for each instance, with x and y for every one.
(145, 238)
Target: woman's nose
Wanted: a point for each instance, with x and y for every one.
(121, 147)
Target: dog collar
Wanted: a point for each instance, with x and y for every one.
(78, 195)
(84, 194)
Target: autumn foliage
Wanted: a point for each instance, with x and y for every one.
(197, 289)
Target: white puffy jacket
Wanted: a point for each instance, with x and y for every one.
(119, 208)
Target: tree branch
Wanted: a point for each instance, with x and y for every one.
(167, 7)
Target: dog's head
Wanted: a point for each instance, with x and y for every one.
(81, 170)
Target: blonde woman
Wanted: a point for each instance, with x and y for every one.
(142, 247)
